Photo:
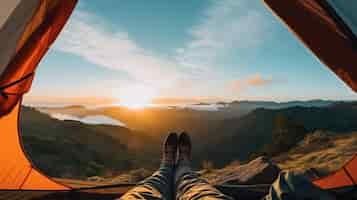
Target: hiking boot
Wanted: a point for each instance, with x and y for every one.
(169, 151)
(184, 148)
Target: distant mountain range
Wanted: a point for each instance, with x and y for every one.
(247, 106)
(239, 108)
(277, 105)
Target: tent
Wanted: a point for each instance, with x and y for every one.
(29, 27)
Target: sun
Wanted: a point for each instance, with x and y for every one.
(133, 102)
(136, 97)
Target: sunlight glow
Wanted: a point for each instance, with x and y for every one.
(136, 97)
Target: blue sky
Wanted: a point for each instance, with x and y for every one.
(200, 49)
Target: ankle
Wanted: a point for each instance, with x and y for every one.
(168, 161)
(183, 160)
(180, 171)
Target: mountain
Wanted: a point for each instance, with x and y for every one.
(279, 105)
(160, 120)
(317, 154)
(245, 107)
(73, 149)
(243, 137)
(156, 122)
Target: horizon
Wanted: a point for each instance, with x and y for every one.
(164, 102)
(128, 53)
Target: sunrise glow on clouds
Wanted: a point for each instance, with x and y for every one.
(215, 34)
(231, 49)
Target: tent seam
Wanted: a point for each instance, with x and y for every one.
(26, 177)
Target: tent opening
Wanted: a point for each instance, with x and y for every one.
(117, 78)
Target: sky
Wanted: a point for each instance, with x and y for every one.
(183, 51)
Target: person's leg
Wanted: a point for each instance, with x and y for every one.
(160, 184)
(291, 186)
(189, 186)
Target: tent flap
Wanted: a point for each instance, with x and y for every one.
(33, 44)
(27, 30)
(16, 170)
(316, 26)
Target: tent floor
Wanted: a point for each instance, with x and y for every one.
(251, 192)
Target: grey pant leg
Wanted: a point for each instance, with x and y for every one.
(157, 186)
(190, 186)
(290, 186)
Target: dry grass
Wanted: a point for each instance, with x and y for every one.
(324, 152)
(130, 177)
(213, 175)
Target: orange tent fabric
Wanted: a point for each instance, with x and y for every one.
(32, 26)
(346, 176)
(17, 172)
(317, 26)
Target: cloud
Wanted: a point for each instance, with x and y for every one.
(226, 25)
(252, 81)
(103, 44)
(88, 37)
(258, 80)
